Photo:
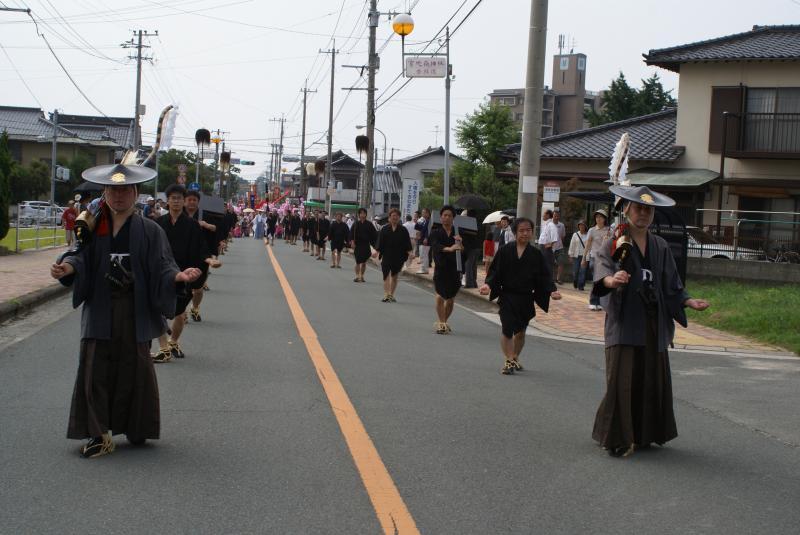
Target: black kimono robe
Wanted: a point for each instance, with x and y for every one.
(338, 235)
(311, 226)
(323, 227)
(637, 407)
(519, 282)
(446, 277)
(189, 249)
(116, 388)
(393, 248)
(364, 237)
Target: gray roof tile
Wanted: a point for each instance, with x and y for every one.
(762, 43)
(652, 138)
(30, 123)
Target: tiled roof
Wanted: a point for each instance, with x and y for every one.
(431, 151)
(31, 124)
(762, 43)
(652, 138)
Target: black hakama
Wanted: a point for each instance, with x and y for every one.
(446, 277)
(393, 247)
(364, 235)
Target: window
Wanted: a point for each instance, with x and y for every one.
(770, 125)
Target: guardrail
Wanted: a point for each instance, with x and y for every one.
(43, 231)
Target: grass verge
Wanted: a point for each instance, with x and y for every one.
(767, 313)
(45, 238)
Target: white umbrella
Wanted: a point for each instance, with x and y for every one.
(494, 217)
(248, 210)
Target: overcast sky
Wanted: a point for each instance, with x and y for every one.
(235, 64)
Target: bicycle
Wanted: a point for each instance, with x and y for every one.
(784, 255)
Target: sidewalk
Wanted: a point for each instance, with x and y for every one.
(25, 280)
(570, 318)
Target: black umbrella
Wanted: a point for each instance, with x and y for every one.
(472, 202)
(89, 187)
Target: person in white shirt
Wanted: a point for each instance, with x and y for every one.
(577, 246)
(410, 226)
(561, 232)
(597, 236)
(548, 237)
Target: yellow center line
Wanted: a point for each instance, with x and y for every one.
(389, 506)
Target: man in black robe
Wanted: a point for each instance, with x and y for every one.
(338, 238)
(125, 278)
(519, 277)
(272, 227)
(362, 239)
(323, 227)
(190, 251)
(643, 295)
(210, 233)
(304, 231)
(445, 244)
(394, 248)
(294, 227)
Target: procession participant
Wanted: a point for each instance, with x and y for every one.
(338, 238)
(520, 278)
(210, 233)
(287, 219)
(304, 222)
(323, 227)
(125, 278)
(259, 223)
(313, 225)
(394, 248)
(189, 250)
(445, 244)
(362, 240)
(410, 226)
(643, 296)
(294, 227)
(272, 224)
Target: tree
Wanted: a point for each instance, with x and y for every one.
(6, 166)
(30, 181)
(484, 134)
(622, 101)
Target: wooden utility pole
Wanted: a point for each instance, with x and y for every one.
(303, 175)
(329, 163)
(372, 65)
(137, 129)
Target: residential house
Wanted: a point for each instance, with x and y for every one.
(425, 165)
(345, 171)
(30, 134)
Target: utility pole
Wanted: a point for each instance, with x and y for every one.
(216, 158)
(138, 46)
(279, 157)
(329, 163)
(447, 121)
(53, 156)
(527, 192)
(303, 174)
(373, 18)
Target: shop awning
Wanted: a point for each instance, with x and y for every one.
(335, 206)
(668, 177)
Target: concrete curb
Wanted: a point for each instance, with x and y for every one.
(19, 305)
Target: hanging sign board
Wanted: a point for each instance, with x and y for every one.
(551, 193)
(410, 196)
(426, 67)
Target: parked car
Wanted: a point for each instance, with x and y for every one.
(31, 212)
(704, 245)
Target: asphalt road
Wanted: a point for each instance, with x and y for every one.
(250, 442)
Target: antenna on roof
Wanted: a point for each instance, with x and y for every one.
(560, 43)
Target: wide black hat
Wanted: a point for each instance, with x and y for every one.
(118, 174)
(641, 195)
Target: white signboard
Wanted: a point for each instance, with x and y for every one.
(551, 193)
(426, 67)
(410, 197)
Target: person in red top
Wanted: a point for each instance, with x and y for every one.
(68, 221)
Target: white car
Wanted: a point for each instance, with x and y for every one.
(41, 212)
(703, 245)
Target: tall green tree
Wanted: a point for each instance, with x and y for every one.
(6, 165)
(621, 101)
(486, 132)
(29, 181)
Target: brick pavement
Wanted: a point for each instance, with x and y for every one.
(26, 272)
(571, 318)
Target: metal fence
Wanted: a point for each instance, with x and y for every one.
(39, 230)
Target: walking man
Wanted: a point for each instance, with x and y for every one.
(643, 297)
(520, 278)
(338, 237)
(446, 244)
(394, 248)
(362, 239)
(422, 229)
(126, 282)
(211, 235)
(323, 228)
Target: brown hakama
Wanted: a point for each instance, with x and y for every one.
(116, 388)
(637, 407)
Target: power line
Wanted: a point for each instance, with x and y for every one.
(20, 75)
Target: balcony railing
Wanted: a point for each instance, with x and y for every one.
(761, 135)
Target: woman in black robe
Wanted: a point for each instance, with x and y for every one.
(394, 248)
(445, 244)
(363, 236)
(520, 278)
(643, 296)
(125, 278)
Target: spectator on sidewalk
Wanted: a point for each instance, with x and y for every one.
(548, 237)
(422, 229)
(68, 221)
(559, 245)
(596, 237)
(577, 246)
(410, 226)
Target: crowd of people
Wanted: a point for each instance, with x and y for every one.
(142, 269)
